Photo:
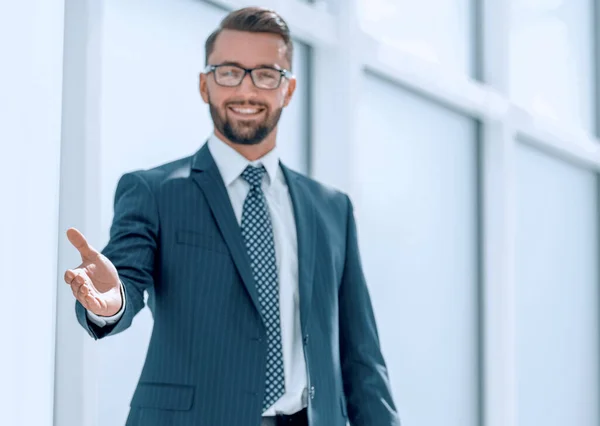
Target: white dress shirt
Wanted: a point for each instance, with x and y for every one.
(231, 164)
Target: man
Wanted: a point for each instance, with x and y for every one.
(261, 311)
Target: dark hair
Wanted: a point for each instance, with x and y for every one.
(254, 20)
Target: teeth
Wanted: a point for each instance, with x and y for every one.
(245, 110)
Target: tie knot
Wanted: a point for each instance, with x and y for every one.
(253, 175)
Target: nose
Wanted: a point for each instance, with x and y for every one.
(247, 85)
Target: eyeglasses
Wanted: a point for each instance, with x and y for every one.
(233, 75)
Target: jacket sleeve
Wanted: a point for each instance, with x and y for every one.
(132, 249)
(366, 383)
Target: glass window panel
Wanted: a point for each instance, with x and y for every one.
(551, 70)
(557, 295)
(294, 131)
(416, 202)
(439, 31)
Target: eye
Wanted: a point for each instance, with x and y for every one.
(232, 72)
(267, 74)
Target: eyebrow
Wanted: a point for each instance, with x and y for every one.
(274, 66)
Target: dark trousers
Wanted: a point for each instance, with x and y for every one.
(297, 419)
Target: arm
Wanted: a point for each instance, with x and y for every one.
(366, 382)
(132, 248)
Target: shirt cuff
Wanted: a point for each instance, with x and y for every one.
(104, 321)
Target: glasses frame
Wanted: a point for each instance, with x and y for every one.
(282, 73)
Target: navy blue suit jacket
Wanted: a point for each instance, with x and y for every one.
(175, 235)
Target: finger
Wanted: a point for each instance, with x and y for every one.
(80, 243)
(85, 297)
(83, 291)
(90, 300)
(78, 295)
(93, 305)
(81, 286)
(76, 277)
(83, 283)
(71, 274)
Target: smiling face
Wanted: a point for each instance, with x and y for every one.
(245, 114)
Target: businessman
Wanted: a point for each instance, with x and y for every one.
(261, 311)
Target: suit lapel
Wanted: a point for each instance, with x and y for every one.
(206, 174)
(305, 217)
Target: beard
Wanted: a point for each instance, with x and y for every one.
(249, 132)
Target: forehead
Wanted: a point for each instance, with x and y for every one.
(249, 49)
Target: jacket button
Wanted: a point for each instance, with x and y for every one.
(312, 392)
(306, 339)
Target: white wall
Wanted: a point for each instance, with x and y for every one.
(416, 203)
(31, 42)
(551, 65)
(557, 292)
(75, 375)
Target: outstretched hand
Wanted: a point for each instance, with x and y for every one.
(95, 283)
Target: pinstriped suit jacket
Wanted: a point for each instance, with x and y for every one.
(174, 234)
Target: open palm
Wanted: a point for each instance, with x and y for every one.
(95, 283)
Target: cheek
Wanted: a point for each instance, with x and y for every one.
(278, 101)
(216, 96)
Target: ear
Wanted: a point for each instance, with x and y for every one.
(291, 88)
(203, 86)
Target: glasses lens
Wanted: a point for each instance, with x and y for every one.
(229, 75)
(266, 78)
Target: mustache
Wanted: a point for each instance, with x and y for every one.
(246, 103)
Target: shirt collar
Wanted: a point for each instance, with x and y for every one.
(231, 163)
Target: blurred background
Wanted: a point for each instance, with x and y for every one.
(465, 132)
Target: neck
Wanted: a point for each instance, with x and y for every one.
(251, 152)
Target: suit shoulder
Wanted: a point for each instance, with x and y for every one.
(324, 193)
(156, 176)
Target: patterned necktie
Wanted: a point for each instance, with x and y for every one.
(258, 236)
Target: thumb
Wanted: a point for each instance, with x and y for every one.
(80, 243)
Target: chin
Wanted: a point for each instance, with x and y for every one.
(242, 138)
(248, 135)
(247, 142)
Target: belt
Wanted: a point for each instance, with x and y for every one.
(297, 419)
